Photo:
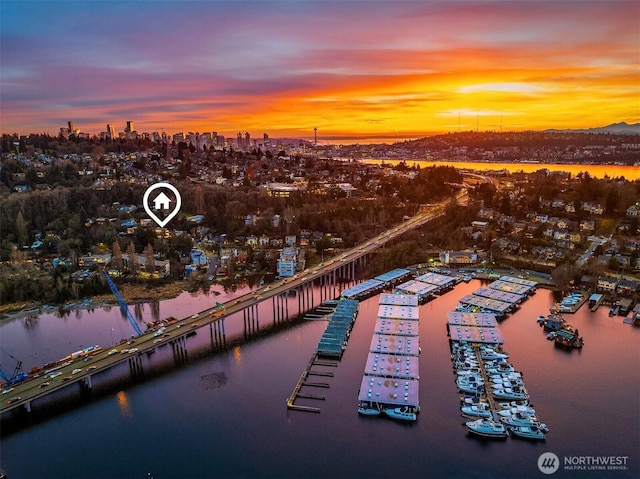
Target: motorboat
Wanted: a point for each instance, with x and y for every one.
(530, 432)
(470, 384)
(569, 339)
(487, 428)
(510, 394)
(519, 419)
(476, 410)
(489, 354)
(369, 409)
(402, 413)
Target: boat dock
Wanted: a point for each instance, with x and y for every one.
(595, 300)
(390, 382)
(441, 281)
(331, 345)
(334, 340)
(304, 381)
(492, 392)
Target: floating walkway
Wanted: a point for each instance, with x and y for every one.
(334, 340)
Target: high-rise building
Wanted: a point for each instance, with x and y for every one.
(239, 140)
(71, 128)
(111, 131)
(247, 141)
(130, 128)
(266, 141)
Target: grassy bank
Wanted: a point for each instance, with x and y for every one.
(131, 292)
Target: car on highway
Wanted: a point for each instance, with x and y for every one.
(76, 371)
(113, 351)
(91, 368)
(12, 400)
(44, 385)
(6, 391)
(133, 350)
(54, 375)
(193, 316)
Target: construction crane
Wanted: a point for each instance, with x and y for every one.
(17, 376)
(123, 305)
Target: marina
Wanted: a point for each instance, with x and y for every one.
(212, 423)
(493, 394)
(390, 382)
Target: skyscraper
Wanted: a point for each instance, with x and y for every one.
(71, 128)
(130, 127)
(111, 132)
(239, 140)
(247, 140)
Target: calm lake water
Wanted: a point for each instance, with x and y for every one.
(631, 173)
(223, 414)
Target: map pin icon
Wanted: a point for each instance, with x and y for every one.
(161, 202)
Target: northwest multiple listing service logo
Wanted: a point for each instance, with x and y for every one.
(548, 463)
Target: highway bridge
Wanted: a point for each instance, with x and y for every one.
(324, 276)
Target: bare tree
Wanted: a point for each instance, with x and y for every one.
(133, 259)
(116, 256)
(150, 261)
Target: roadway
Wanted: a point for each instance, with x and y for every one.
(81, 369)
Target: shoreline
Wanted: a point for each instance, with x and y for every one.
(132, 293)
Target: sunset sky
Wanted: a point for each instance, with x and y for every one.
(355, 68)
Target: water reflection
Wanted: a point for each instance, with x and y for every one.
(138, 310)
(155, 309)
(124, 404)
(237, 355)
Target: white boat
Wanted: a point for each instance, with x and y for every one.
(369, 411)
(529, 432)
(470, 384)
(369, 408)
(476, 410)
(519, 419)
(506, 412)
(402, 413)
(487, 428)
(489, 354)
(510, 394)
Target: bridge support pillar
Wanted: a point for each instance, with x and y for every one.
(86, 383)
(135, 365)
(218, 339)
(27, 406)
(179, 348)
(250, 319)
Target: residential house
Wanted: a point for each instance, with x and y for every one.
(263, 241)
(607, 284)
(290, 240)
(634, 210)
(587, 225)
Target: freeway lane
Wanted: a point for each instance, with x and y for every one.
(79, 369)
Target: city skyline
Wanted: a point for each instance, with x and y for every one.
(360, 69)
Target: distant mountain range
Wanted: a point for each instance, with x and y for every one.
(622, 128)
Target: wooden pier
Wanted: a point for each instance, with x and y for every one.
(487, 388)
(304, 381)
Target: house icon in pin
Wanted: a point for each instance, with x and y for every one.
(161, 202)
